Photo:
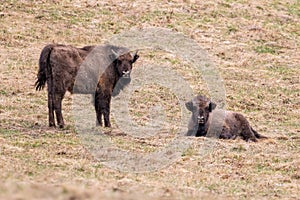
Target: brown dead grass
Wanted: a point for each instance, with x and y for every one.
(255, 46)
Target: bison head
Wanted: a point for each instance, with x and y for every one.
(123, 63)
(200, 107)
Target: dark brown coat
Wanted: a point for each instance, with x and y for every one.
(206, 120)
(97, 70)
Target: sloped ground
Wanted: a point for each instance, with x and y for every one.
(255, 47)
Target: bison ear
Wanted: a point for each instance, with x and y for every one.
(212, 106)
(189, 105)
(135, 57)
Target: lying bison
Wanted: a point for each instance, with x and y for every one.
(206, 119)
(105, 68)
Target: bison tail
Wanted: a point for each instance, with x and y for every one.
(44, 64)
(257, 135)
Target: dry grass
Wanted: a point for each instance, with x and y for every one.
(255, 46)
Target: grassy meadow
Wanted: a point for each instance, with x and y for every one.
(255, 48)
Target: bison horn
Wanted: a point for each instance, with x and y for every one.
(135, 56)
(115, 53)
(135, 53)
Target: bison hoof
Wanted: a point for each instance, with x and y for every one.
(51, 125)
(98, 124)
(252, 140)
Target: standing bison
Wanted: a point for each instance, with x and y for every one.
(206, 120)
(99, 70)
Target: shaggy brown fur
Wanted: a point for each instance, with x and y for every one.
(206, 120)
(107, 68)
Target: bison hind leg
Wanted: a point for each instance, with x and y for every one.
(51, 110)
(57, 108)
(257, 135)
(251, 135)
(248, 135)
(251, 139)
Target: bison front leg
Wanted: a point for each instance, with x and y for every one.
(191, 133)
(98, 109)
(106, 112)
(227, 135)
(106, 118)
(245, 128)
